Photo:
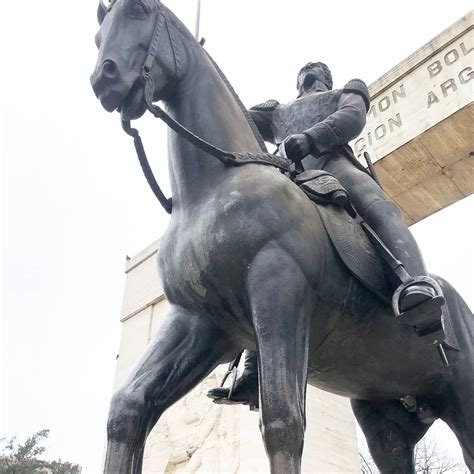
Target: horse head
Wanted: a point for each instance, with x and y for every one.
(136, 38)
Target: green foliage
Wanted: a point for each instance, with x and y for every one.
(17, 458)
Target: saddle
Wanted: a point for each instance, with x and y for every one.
(324, 188)
(343, 226)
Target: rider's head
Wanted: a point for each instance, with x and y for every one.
(314, 77)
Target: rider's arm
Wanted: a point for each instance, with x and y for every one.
(345, 123)
(262, 115)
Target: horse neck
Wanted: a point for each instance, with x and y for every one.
(204, 105)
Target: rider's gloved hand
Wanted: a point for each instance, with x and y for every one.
(297, 146)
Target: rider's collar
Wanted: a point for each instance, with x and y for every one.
(317, 86)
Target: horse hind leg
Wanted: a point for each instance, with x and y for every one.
(186, 348)
(458, 408)
(391, 432)
(281, 310)
(457, 402)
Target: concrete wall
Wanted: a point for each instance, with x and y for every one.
(196, 435)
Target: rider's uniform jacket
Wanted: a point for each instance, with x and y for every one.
(331, 119)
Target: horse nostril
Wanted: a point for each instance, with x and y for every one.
(109, 68)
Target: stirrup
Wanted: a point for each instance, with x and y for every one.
(427, 316)
(231, 370)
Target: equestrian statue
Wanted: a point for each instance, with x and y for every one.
(298, 258)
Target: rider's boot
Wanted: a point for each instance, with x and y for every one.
(245, 390)
(419, 301)
(421, 306)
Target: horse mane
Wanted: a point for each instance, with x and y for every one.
(189, 36)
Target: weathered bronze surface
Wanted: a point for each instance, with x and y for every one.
(246, 263)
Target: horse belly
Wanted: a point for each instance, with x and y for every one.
(368, 354)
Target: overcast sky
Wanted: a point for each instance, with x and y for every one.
(75, 202)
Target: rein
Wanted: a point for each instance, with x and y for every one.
(226, 157)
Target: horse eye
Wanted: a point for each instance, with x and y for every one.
(138, 9)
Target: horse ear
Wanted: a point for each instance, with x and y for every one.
(101, 11)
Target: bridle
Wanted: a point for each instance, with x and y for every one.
(226, 157)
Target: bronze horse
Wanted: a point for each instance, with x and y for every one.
(247, 263)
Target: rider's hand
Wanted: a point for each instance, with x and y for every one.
(297, 146)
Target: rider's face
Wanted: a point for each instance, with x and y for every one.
(311, 78)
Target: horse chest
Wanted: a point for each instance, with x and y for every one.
(215, 242)
(198, 257)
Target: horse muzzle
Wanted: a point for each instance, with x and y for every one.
(109, 85)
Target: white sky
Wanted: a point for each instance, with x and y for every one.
(75, 201)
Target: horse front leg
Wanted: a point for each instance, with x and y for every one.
(186, 348)
(281, 304)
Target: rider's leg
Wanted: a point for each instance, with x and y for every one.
(380, 213)
(385, 218)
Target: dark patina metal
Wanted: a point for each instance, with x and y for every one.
(247, 262)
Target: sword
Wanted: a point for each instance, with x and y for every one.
(370, 165)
